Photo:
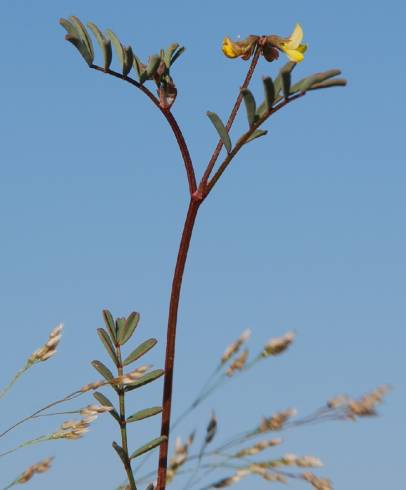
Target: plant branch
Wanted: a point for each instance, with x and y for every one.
(241, 142)
(234, 111)
(187, 160)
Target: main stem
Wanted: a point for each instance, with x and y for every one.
(197, 197)
(171, 336)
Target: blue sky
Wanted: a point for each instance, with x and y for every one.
(306, 231)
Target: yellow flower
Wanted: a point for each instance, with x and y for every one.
(244, 48)
(230, 49)
(291, 46)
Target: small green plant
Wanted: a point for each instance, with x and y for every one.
(117, 333)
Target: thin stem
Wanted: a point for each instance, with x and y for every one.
(123, 424)
(15, 379)
(230, 121)
(187, 160)
(184, 414)
(244, 139)
(171, 337)
(67, 412)
(31, 442)
(198, 399)
(67, 398)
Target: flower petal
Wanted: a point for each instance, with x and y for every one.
(302, 48)
(295, 38)
(294, 55)
(228, 48)
(244, 48)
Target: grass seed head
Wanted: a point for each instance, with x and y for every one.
(317, 483)
(257, 448)
(366, 405)
(40, 467)
(49, 348)
(278, 345)
(276, 421)
(235, 346)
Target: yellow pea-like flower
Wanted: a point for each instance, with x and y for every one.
(244, 48)
(230, 49)
(292, 46)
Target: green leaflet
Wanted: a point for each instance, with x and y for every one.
(337, 82)
(81, 48)
(287, 68)
(105, 44)
(256, 134)
(140, 351)
(128, 58)
(143, 414)
(75, 37)
(168, 53)
(118, 48)
(69, 27)
(120, 451)
(150, 70)
(179, 52)
(103, 370)
(306, 83)
(286, 79)
(326, 75)
(109, 321)
(221, 130)
(83, 35)
(148, 447)
(153, 65)
(269, 90)
(250, 105)
(127, 329)
(103, 400)
(144, 380)
(120, 324)
(278, 85)
(103, 335)
(139, 67)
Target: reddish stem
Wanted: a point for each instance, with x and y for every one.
(171, 336)
(212, 182)
(171, 120)
(230, 121)
(197, 197)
